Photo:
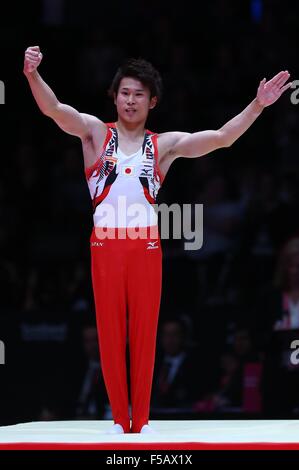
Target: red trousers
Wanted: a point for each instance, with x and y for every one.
(126, 277)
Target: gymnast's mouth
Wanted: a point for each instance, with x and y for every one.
(130, 112)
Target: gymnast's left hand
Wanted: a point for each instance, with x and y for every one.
(269, 92)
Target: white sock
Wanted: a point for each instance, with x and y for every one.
(147, 429)
(116, 429)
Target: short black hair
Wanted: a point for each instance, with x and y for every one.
(141, 70)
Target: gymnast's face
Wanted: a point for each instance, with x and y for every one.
(133, 100)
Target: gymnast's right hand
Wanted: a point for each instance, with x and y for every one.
(32, 59)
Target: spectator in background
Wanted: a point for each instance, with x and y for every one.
(270, 216)
(287, 281)
(277, 305)
(91, 399)
(279, 314)
(174, 385)
(223, 212)
(238, 384)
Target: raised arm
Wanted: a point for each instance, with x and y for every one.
(67, 118)
(182, 144)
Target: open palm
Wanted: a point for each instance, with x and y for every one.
(269, 92)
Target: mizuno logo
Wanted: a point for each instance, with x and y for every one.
(152, 245)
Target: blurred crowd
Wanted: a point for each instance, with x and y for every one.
(229, 311)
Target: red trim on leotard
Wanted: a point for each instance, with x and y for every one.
(156, 156)
(147, 195)
(98, 199)
(89, 170)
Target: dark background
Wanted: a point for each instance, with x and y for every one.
(222, 298)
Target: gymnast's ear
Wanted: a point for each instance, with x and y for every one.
(153, 102)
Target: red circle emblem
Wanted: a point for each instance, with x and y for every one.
(128, 171)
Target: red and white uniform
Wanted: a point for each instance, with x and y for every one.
(116, 176)
(126, 272)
